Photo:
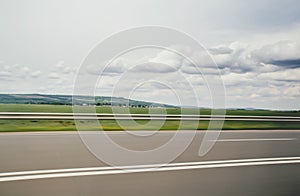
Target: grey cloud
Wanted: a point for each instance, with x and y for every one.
(159, 85)
(232, 58)
(152, 67)
(113, 70)
(291, 63)
(237, 57)
(193, 70)
(268, 58)
(238, 67)
(289, 81)
(285, 53)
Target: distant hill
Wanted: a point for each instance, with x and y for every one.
(79, 100)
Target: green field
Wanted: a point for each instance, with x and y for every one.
(69, 125)
(68, 109)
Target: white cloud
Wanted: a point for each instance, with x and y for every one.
(282, 50)
(60, 64)
(5, 74)
(54, 75)
(113, 68)
(220, 50)
(168, 58)
(36, 74)
(282, 75)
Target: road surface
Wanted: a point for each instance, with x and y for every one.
(250, 162)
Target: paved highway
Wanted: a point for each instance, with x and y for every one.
(250, 162)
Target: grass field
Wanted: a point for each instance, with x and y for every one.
(68, 109)
(69, 125)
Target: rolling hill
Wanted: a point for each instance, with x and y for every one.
(78, 100)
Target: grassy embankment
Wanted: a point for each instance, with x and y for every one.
(69, 125)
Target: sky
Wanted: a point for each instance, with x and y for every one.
(255, 44)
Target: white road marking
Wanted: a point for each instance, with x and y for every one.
(181, 118)
(137, 115)
(54, 133)
(145, 166)
(254, 139)
(72, 172)
(109, 116)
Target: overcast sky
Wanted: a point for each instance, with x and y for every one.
(256, 45)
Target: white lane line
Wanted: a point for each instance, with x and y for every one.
(55, 133)
(145, 166)
(126, 115)
(92, 173)
(40, 174)
(254, 139)
(146, 118)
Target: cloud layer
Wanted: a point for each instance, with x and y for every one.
(255, 44)
(253, 76)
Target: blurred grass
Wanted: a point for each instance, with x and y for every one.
(103, 109)
(111, 125)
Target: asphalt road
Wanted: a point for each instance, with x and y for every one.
(245, 163)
